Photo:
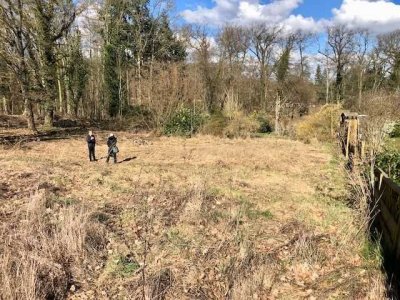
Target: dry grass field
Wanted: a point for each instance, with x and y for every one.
(199, 218)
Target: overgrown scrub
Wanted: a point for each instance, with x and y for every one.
(184, 122)
(389, 161)
(321, 125)
(215, 125)
(42, 254)
(395, 132)
(241, 126)
(265, 124)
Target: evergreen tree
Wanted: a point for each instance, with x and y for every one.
(320, 84)
(166, 47)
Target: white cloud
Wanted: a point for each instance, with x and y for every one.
(251, 11)
(298, 22)
(378, 16)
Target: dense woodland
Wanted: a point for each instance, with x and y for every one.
(120, 59)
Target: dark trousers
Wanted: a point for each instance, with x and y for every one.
(112, 154)
(92, 155)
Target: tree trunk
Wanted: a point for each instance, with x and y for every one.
(263, 87)
(76, 108)
(139, 80)
(49, 117)
(29, 115)
(327, 83)
(278, 103)
(28, 111)
(360, 88)
(339, 83)
(5, 106)
(301, 62)
(60, 92)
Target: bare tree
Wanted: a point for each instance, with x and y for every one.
(302, 42)
(16, 39)
(388, 54)
(340, 50)
(263, 40)
(362, 41)
(199, 41)
(233, 42)
(282, 72)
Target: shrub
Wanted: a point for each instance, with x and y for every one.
(140, 117)
(389, 161)
(320, 125)
(184, 122)
(241, 126)
(265, 124)
(215, 125)
(395, 132)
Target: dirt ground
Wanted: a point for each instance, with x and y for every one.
(202, 218)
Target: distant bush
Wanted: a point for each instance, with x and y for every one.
(236, 125)
(184, 122)
(319, 125)
(215, 124)
(265, 125)
(241, 126)
(139, 117)
(389, 161)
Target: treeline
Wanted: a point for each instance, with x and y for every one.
(122, 59)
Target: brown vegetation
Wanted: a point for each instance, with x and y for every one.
(188, 218)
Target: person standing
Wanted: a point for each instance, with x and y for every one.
(91, 141)
(112, 148)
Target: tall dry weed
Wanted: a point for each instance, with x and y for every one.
(43, 250)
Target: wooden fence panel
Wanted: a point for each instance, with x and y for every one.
(387, 202)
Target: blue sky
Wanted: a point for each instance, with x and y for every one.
(309, 8)
(318, 8)
(378, 16)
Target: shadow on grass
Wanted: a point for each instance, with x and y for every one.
(127, 159)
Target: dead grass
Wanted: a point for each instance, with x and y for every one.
(200, 218)
(320, 126)
(44, 246)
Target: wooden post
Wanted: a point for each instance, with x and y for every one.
(352, 136)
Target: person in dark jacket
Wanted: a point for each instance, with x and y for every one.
(91, 141)
(112, 148)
